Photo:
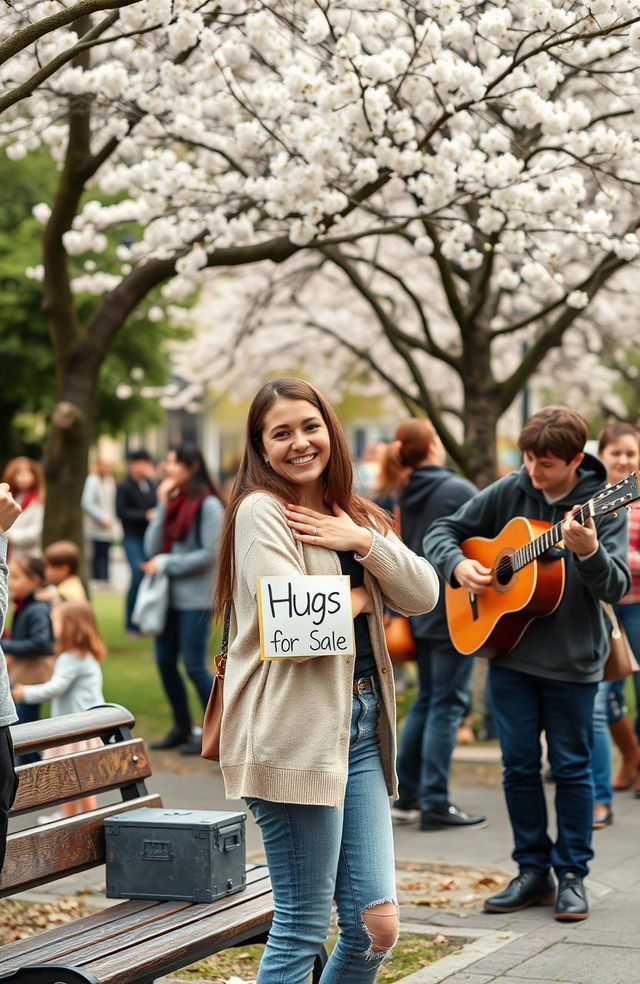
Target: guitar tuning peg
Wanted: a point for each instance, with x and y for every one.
(615, 514)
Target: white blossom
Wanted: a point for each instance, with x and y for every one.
(502, 131)
(577, 299)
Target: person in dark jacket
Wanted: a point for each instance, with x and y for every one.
(135, 507)
(412, 467)
(30, 645)
(548, 680)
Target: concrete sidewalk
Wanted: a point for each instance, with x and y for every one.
(525, 946)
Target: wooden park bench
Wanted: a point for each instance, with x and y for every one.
(133, 942)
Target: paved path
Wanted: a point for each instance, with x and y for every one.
(524, 947)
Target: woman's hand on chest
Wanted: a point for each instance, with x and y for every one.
(335, 532)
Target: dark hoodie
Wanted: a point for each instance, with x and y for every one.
(432, 492)
(31, 633)
(571, 643)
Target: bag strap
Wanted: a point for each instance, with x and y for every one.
(613, 618)
(221, 658)
(225, 628)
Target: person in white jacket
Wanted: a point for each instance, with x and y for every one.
(100, 519)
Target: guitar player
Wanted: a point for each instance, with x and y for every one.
(548, 680)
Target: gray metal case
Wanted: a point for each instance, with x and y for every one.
(186, 855)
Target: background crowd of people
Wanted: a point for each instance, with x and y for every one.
(169, 529)
(293, 508)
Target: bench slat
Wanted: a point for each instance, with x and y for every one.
(108, 924)
(184, 916)
(48, 937)
(39, 855)
(186, 945)
(94, 723)
(80, 774)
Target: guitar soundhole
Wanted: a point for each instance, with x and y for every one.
(504, 571)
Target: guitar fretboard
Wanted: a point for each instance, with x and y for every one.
(535, 548)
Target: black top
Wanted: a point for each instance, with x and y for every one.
(365, 660)
(133, 501)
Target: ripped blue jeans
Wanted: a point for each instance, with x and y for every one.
(320, 853)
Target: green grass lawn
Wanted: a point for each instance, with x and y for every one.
(130, 674)
(411, 953)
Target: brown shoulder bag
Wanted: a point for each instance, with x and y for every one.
(621, 661)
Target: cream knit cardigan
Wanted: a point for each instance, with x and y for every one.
(285, 728)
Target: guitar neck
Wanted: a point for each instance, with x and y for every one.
(535, 548)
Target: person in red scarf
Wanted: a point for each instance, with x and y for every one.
(25, 479)
(181, 542)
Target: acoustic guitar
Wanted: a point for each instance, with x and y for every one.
(528, 580)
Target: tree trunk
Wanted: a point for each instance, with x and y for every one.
(480, 412)
(480, 424)
(67, 451)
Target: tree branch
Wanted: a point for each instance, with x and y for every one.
(431, 347)
(27, 87)
(28, 35)
(552, 337)
(402, 344)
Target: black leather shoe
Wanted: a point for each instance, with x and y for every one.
(449, 815)
(192, 746)
(177, 736)
(405, 810)
(527, 888)
(571, 904)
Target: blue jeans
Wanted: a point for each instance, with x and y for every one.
(185, 634)
(430, 729)
(318, 853)
(523, 707)
(27, 713)
(601, 752)
(133, 548)
(629, 618)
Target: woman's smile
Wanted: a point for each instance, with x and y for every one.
(304, 459)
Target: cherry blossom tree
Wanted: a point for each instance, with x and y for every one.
(469, 170)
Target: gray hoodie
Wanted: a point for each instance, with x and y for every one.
(571, 643)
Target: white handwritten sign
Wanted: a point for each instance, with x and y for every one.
(305, 615)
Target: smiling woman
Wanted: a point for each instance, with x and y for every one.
(310, 743)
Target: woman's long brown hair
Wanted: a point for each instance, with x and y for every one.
(254, 475)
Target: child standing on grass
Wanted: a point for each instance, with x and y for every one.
(76, 683)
